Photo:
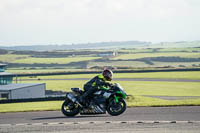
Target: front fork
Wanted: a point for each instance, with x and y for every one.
(116, 99)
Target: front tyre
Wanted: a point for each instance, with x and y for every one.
(115, 109)
(69, 108)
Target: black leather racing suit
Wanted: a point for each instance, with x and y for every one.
(93, 85)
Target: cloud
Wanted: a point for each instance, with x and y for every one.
(71, 21)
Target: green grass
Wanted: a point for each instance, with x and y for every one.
(134, 64)
(175, 64)
(12, 57)
(179, 49)
(161, 88)
(150, 50)
(140, 64)
(134, 88)
(136, 50)
(62, 85)
(54, 60)
(130, 54)
(162, 75)
(41, 70)
(147, 101)
(169, 54)
(30, 106)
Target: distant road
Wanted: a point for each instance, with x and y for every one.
(126, 79)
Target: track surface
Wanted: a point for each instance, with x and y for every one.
(185, 113)
(137, 120)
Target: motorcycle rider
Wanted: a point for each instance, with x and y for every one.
(95, 83)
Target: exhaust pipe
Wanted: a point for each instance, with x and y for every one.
(73, 99)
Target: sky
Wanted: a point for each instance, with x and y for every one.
(35, 22)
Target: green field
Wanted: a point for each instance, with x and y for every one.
(120, 60)
(12, 57)
(135, 88)
(41, 70)
(167, 54)
(54, 60)
(162, 75)
(140, 64)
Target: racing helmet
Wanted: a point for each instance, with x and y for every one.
(108, 74)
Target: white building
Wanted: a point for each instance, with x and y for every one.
(22, 91)
(108, 54)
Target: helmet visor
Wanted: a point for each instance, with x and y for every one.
(109, 77)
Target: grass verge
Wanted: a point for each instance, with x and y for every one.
(134, 101)
(137, 101)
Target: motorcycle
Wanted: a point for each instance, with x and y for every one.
(110, 100)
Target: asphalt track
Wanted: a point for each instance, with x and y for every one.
(185, 119)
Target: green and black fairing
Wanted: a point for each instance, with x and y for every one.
(119, 92)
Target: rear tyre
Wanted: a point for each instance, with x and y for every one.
(115, 109)
(69, 108)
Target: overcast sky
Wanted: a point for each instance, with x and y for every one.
(29, 22)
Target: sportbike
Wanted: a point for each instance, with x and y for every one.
(111, 100)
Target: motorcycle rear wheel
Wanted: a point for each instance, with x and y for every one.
(115, 109)
(69, 108)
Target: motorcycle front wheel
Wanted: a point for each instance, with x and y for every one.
(69, 108)
(115, 109)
